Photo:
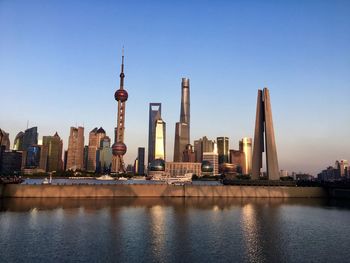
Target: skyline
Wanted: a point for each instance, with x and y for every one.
(303, 60)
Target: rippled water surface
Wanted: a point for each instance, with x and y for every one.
(174, 230)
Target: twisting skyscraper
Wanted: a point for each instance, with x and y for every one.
(119, 147)
(182, 128)
(264, 126)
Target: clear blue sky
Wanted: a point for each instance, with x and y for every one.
(60, 61)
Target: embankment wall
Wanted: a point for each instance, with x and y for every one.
(153, 190)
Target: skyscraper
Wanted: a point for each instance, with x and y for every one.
(223, 144)
(54, 147)
(159, 143)
(75, 158)
(140, 161)
(202, 145)
(182, 128)
(95, 137)
(4, 139)
(119, 147)
(30, 138)
(245, 146)
(155, 112)
(105, 155)
(264, 127)
(18, 143)
(188, 154)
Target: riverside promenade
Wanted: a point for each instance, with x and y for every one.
(157, 190)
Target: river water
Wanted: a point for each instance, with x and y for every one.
(174, 230)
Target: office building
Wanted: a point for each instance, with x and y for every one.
(140, 161)
(30, 138)
(180, 168)
(54, 146)
(238, 158)
(18, 143)
(119, 148)
(213, 159)
(4, 139)
(104, 156)
(223, 149)
(10, 161)
(182, 128)
(95, 138)
(155, 113)
(343, 167)
(188, 154)
(75, 158)
(159, 143)
(264, 139)
(202, 145)
(245, 146)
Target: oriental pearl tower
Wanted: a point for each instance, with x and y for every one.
(119, 147)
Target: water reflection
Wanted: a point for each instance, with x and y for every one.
(91, 204)
(173, 229)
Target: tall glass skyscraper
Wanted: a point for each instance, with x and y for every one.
(155, 113)
(223, 151)
(182, 128)
(245, 146)
(54, 147)
(159, 144)
(30, 138)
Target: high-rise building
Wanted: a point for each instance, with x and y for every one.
(245, 146)
(18, 143)
(155, 112)
(188, 154)
(119, 148)
(54, 146)
(182, 128)
(213, 159)
(223, 150)
(10, 161)
(105, 155)
(202, 145)
(30, 138)
(95, 137)
(238, 158)
(159, 143)
(4, 139)
(342, 166)
(75, 158)
(140, 161)
(264, 138)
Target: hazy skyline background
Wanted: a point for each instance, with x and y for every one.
(60, 64)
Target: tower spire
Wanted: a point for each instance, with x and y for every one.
(122, 75)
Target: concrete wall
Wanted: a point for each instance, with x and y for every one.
(17, 190)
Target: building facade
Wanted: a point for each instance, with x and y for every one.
(95, 138)
(180, 168)
(245, 146)
(155, 112)
(223, 149)
(75, 155)
(140, 161)
(54, 146)
(159, 142)
(238, 158)
(4, 139)
(182, 128)
(213, 159)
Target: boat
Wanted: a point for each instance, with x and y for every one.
(122, 178)
(180, 179)
(45, 181)
(105, 177)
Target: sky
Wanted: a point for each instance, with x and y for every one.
(60, 65)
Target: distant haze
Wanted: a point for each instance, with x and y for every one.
(60, 64)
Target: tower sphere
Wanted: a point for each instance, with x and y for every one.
(121, 95)
(119, 148)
